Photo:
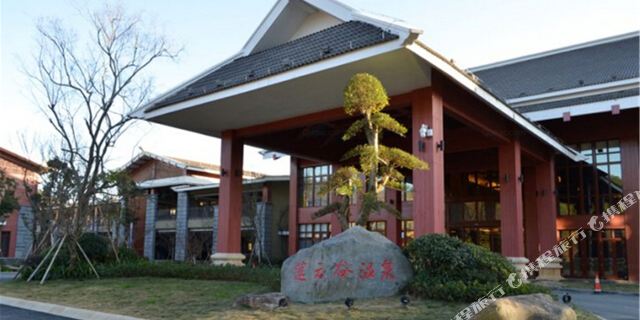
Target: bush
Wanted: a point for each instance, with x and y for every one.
(449, 269)
(269, 277)
(95, 246)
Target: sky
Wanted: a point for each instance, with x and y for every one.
(470, 32)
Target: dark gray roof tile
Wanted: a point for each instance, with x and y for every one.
(327, 43)
(597, 64)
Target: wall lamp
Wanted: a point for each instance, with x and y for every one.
(424, 132)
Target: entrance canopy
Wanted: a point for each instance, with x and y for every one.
(298, 62)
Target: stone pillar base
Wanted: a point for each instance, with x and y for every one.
(518, 262)
(551, 271)
(221, 258)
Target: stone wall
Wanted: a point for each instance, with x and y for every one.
(150, 226)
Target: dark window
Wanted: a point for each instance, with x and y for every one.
(591, 186)
(312, 233)
(165, 245)
(5, 240)
(313, 179)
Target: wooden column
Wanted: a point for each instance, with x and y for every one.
(394, 198)
(293, 206)
(546, 204)
(630, 183)
(428, 203)
(532, 244)
(230, 201)
(511, 210)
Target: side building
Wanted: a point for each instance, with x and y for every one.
(16, 236)
(177, 218)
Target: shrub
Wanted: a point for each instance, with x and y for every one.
(95, 246)
(269, 277)
(449, 269)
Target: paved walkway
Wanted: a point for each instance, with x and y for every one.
(55, 311)
(609, 306)
(12, 313)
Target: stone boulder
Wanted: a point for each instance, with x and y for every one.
(356, 263)
(265, 301)
(529, 306)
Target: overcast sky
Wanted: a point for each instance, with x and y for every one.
(471, 32)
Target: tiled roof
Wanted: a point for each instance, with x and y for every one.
(580, 100)
(324, 44)
(585, 66)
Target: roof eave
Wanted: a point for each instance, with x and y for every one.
(469, 82)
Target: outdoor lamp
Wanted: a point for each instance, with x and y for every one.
(425, 131)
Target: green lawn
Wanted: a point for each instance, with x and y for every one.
(164, 298)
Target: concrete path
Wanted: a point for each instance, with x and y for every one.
(61, 312)
(610, 306)
(12, 313)
(7, 276)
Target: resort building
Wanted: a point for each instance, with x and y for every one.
(521, 152)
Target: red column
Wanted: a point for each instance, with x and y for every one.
(293, 207)
(230, 194)
(532, 248)
(630, 183)
(428, 203)
(546, 204)
(393, 197)
(511, 215)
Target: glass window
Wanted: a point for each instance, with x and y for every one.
(312, 233)
(406, 232)
(313, 180)
(378, 226)
(594, 185)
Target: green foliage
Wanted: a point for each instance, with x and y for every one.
(8, 201)
(379, 164)
(95, 246)
(365, 95)
(449, 269)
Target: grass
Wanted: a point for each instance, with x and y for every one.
(587, 284)
(166, 298)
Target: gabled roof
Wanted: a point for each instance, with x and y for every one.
(324, 44)
(21, 161)
(191, 165)
(242, 104)
(598, 62)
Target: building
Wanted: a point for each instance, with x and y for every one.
(178, 217)
(587, 95)
(16, 238)
(492, 177)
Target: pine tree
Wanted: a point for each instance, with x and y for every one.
(378, 166)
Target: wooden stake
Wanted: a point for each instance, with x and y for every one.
(46, 273)
(42, 262)
(87, 258)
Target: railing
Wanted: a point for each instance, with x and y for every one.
(201, 212)
(166, 214)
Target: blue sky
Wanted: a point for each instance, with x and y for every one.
(469, 31)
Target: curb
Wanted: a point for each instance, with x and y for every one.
(62, 311)
(590, 291)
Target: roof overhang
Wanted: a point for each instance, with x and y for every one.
(173, 181)
(402, 65)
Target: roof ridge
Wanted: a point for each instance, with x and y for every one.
(558, 50)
